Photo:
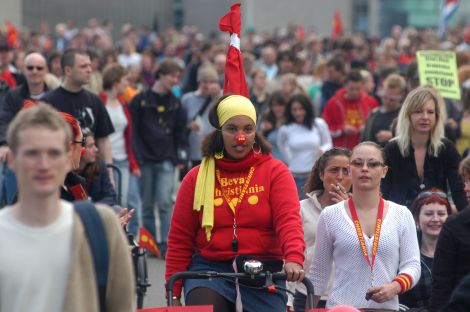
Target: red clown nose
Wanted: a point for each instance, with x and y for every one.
(240, 139)
(83, 152)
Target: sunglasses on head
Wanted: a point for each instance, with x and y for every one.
(371, 163)
(38, 68)
(426, 194)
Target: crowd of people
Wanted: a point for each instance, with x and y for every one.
(339, 167)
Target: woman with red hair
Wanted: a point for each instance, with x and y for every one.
(78, 141)
(74, 185)
(73, 188)
(430, 210)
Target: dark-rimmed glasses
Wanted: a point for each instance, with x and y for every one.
(371, 163)
(82, 142)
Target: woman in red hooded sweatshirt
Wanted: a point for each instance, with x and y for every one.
(239, 201)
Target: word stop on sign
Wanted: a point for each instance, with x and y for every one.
(438, 82)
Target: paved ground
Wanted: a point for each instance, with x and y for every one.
(156, 293)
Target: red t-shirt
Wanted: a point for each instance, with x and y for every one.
(339, 112)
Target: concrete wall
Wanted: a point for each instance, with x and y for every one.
(137, 12)
(11, 10)
(263, 14)
(313, 14)
(374, 18)
(206, 13)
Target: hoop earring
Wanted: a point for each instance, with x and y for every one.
(219, 155)
(259, 151)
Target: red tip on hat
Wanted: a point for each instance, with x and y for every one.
(240, 138)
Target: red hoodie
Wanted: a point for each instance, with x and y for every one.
(339, 112)
(269, 225)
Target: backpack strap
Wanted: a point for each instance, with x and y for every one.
(98, 243)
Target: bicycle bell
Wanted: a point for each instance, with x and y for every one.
(252, 266)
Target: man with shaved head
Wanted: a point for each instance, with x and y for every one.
(35, 69)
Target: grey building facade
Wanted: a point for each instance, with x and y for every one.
(372, 17)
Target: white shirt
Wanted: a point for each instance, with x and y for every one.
(128, 60)
(34, 262)
(310, 209)
(337, 242)
(118, 143)
(301, 146)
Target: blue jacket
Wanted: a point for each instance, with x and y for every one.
(100, 188)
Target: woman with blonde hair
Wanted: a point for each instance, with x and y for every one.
(420, 157)
(290, 86)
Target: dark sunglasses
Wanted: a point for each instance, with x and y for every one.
(426, 194)
(38, 68)
(371, 163)
(82, 142)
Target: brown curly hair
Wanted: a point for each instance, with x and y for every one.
(314, 183)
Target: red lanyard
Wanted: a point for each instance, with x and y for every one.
(378, 227)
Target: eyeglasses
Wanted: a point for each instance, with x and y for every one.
(82, 142)
(38, 68)
(426, 194)
(371, 163)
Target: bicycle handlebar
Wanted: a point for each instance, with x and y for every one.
(211, 274)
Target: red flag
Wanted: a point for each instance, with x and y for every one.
(337, 27)
(12, 34)
(300, 33)
(146, 241)
(234, 73)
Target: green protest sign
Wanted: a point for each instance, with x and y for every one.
(439, 69)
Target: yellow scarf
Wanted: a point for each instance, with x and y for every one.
(233, 105)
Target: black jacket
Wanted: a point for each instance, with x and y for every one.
(159, 128)
(329, 89)
(12, 104)
(402, 184)
(451, 258)
(460, 300)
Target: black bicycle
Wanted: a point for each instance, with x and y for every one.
(253, 271)
(139, 260)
